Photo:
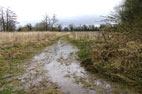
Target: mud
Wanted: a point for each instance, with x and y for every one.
(58, 66)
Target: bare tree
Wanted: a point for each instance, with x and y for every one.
(2, 20)
(49, 22)
(7, 20)
(53, 21)
(10, 20)
(46, 22)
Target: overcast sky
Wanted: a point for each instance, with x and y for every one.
(33, 10)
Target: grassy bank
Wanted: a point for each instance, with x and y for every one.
(114, 56)
(15, 48)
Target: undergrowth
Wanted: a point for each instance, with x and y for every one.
(116, 57)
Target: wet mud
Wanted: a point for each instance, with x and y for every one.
(58, 66)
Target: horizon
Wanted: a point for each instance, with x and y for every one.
(72, 11)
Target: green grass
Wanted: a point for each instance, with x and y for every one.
(9, 90)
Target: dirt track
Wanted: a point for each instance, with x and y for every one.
(57, 69)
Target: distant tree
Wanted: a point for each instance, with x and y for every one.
(96, 29)
(40, 27)
(71, 27)
(60, 27)
(85, 28)
(91, 28)
(19, 28)
(105, 27)
(66, 29)
(80, 28)
(29, 27)
(102, 26)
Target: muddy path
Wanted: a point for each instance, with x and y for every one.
(57, 68)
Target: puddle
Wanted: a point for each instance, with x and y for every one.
(59, 64)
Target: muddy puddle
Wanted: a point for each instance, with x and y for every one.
(59, 64)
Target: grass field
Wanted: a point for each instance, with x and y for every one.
(114, 56)
(10, 39)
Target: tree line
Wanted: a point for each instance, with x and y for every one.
(58, 27)
(8, 22)
(50, 24)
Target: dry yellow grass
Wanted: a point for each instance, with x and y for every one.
(83, 35)
(9, 39)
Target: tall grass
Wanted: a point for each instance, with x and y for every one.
(24, 38)
(85, 35)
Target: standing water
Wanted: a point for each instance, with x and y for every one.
(60, 64)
